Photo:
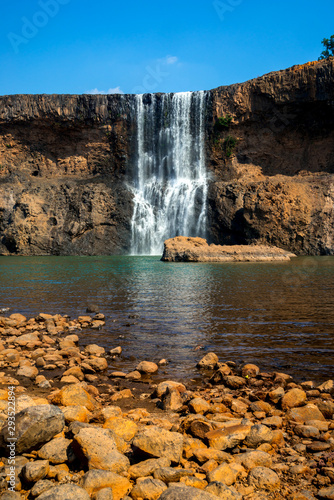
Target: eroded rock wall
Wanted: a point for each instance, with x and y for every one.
(276, 185)
(66, 162)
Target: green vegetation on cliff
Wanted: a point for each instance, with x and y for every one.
(328, 43)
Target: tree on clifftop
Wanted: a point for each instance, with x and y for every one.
(328, 43)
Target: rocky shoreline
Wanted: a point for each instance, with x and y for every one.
(77, 431)
(187, 249)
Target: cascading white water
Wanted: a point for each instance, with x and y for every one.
(170, 179)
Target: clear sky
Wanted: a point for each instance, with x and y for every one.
(80, 46)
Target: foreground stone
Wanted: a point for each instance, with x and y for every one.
(99, 449)
(34, 426)
(74, 395)
(223, 492)
(159, 443)
(95, 480)
(278, 435)
(65, 492)
(229, 437)
(264, 478)
(148, 488)
(185, 249)
(181, 492)
(147, 467)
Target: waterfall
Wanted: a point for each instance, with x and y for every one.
(170, 179)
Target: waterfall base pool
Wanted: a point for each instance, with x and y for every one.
(277, 315)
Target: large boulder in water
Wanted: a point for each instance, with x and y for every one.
(186, 249)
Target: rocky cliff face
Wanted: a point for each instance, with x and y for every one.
(65, 163)
(63, 172)
(273, 163)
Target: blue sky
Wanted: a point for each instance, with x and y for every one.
(79, 46)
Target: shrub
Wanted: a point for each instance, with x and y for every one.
(223, 122)
(229, 145)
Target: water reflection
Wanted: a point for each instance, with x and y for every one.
(278, 315)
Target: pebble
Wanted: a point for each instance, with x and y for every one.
(242, 436)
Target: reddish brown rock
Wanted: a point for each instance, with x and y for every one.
(186, 249)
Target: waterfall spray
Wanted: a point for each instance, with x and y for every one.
(170, 181)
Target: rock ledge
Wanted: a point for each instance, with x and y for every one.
(186, 249)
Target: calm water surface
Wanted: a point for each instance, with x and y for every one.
(278, 315)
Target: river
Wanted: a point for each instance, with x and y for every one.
(277, 315)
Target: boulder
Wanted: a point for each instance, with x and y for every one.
(69, 379)
(264, 478)
(187, 249)
(147, 367)
(259, 434)
(183, 492)
(27, 372)
(293, 398)
(234, 382)
(223, 439)
(147, 488)
(163, 387)
(99, 449)
(65, 492)
(306, 431)
(250, 370)
(40, 487)
(56, 451)
(305, 413)
(252, 459)
(260, 406)
(326, 407)
(200, 428)
(208, 362)
(76, 414)
(147, 467)
(159, 443)
(104, 494)
(199, 405)
(326, 493)
(172, 400)
(226, 473)
(222, 491)
(205, 454)
(34, 426)
(98, 364)
(122, 427)
(116, 351)
(327, 386)
(276, 394)
(171, 474)
(75, 371)
(33, 471)
(11, 495)
(74, 395)
(95, 480)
